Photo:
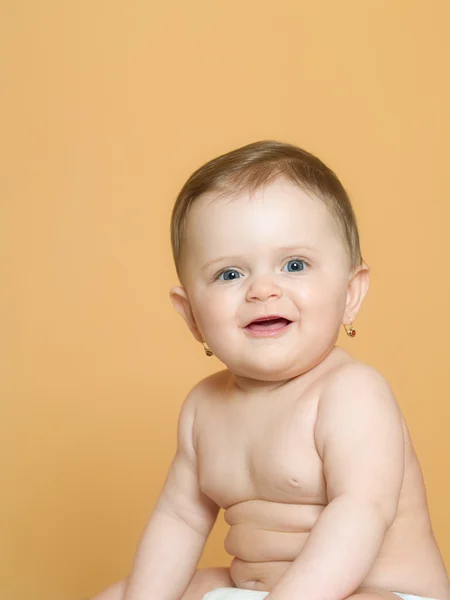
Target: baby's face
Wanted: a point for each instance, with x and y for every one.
(276, 253)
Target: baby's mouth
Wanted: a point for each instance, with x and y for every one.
(268, 324)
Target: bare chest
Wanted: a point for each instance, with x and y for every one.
(264, 451)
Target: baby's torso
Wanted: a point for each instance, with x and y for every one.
(258, 461)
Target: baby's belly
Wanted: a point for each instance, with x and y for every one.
(265, 537)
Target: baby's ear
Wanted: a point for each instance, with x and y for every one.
(181, 302)
(358, 285)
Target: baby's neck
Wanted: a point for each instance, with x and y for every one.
(253, 387)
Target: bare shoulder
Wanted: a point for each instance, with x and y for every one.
(201, 393)
(356, 394)
(187, 434)
(212, 384)
(197, 399)
(355, 378)
(208, 384)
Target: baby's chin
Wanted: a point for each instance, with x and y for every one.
(273, 367)
(283, 370)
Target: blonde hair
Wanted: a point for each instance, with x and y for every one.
(258, 164)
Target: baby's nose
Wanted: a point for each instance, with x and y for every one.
(262, 289)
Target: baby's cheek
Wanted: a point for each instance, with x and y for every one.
(208, 317)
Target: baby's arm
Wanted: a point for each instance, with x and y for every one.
(359, 436)
(182, 519)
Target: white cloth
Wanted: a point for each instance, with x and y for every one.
(231, 593)
(411, 596)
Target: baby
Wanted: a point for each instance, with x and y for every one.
(303, 446)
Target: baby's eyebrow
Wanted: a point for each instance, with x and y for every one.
(279, 251)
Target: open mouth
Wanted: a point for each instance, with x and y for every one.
(268, 324)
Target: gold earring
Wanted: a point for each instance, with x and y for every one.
(350, 331)
(208, 352)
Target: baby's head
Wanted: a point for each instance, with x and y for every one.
(238, 222)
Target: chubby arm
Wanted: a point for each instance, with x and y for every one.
(359, 436)
(182, 519)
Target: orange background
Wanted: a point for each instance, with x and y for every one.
(106, 108)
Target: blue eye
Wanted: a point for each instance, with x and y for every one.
(226, 272)
(300, 265)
